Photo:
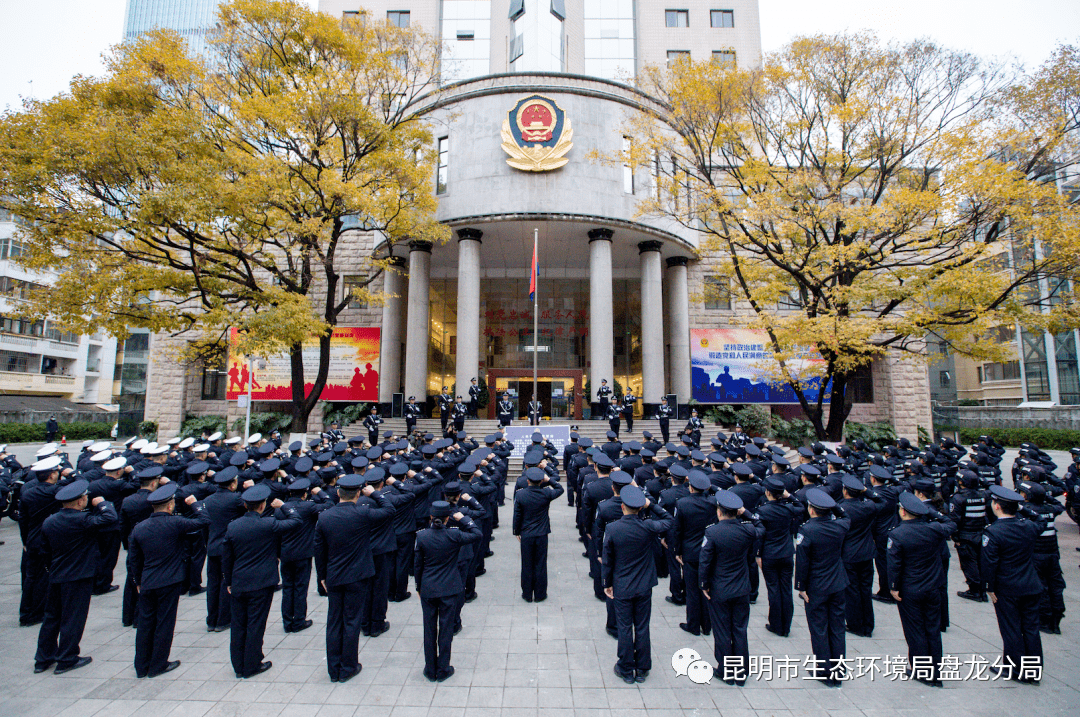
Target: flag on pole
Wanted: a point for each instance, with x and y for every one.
(534, 275)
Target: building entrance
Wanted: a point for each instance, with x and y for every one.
(558, 390)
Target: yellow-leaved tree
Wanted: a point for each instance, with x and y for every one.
(858, 196)
(190, 194)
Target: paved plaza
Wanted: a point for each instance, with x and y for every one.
(551, 659)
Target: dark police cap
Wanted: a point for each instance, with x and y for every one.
(612, 435)
(388, 434)
(374, 453)
(360, 462)
(452, 488)
(296, 446)
(533, 458)
(774, 484)
(646, 453)
(923, 485)
(375, 475)
(1035, 492)
(853, 484)
(492, 438)
(535, 475)
(440, 509)
(197, 468)
(325, 457)
(429, 450)
(163, 494)
(687, 440)
(398, 470)
(696, 455)
(778, 450)
(1004, 495)
(834, 459)
(266, 449)
(820, 499)
(679, 471)
(809, 470)
(351, 482)
(300, 485)
(741, 469)
(969, 478)
(256, 493)
(632, 497)
(429, 436)
(73, 491)
(881, 472)
(621, 478)
(461, 435)
(805, 452)
(646, 435)
(340, 447)
(537, 437)
(604, 460)
(226, 475)
(466, 468)
(303, 464)
(752, 451)
(586, 442)
(781, 461)
(911, 503)
(699, 481)
(314, 443)
(443, 443)
(682, 452)
(270, 465)
(670, 447)
(239, 458)
(721, 436)
(728, 500)
(150, 473)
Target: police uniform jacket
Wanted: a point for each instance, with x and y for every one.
(751, 493)
(669, 498)
(612, 449)
(887, 515)
(223, 507)
(725, 551)
(859, 543)
(252, 544)
(629, 566)
(157, 557)
(607, 513)
(37, 501)
(383, 537)
(779, 520)
(68, 541)
(413, 490)
(693, 514)
(595, 491)
(1006, 562)
(969, 509)
(913, 554)
(299, 543)
(135, 509)
(343, 541)
(819, 543)
(531, 519)
(435, 557)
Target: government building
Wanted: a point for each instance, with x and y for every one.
(532, 89)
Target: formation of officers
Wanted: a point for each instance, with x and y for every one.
(368, 517)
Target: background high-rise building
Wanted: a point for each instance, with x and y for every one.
(192, 19)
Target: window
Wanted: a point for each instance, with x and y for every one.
(944, 379)
(398, 18)
(348, 284)
(17, 288)
(18, 362)
(1036, 371)
(724, 58)
(444, 155)
(627, 168)
(861, 385)
(10, 247)
(674, 56)
(350, 16)
(214, 381)
(1008, 371)
(717, 293)
(466, 35)
(722, 18)
(677, 18)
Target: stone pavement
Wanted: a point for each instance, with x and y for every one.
(551, 659)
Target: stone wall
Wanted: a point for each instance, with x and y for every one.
(1063, 417)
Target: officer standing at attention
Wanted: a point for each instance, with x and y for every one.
(459, 413)
(821, 581)
(536, 410)
(628, 409)
(779, 516)
(445, 404)
(915, 577)
(439, 583)
(297, 549)
(969, 508)
(156, 562)
(692, 515)
(694, 427)
(629, 575)
(412, 412)
(505, 410)
(663, 414)
(345, 567)
(372, 423)
(1047, 556)
(614, 415)
(532, 526)
(858, 555)
(1012, 582)
(725, 582)
(250, 563)
(474, 398)
(603, 395)
(69, 540)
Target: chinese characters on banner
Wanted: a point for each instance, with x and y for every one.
(511, 322)
(726, 366)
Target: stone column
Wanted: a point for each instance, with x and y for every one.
(390, 336)
(677, 311)
(652, 326)
(468, 308)
(417, 329)
(601, 313)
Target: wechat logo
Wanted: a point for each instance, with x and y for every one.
(688, 663)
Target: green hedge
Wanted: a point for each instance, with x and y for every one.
(1045, 438)
(35, 432)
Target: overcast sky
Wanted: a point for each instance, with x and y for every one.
(44, 43)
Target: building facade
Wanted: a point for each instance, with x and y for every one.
(618, 294)
(192, 19)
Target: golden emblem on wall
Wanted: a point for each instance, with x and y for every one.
(537, 134)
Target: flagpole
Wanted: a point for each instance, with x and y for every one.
(536, 303)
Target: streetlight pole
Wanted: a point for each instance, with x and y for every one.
(251, 380)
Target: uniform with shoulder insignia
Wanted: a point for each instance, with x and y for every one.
(779, 516)
(969, 508)
(412, 413)
(628, 409)
(474, 399)
(372, 423)
(694, 427)
(445, 403)
(37, 501)
(297, 550)
(505, 410)
(532, 526)
(459, 413)
(860, 506)
(603, 395)
(536, 410)
(223, 507)
(614, 418)
(1047, 556)
(136, 508)
(663, 414)
(693, 514)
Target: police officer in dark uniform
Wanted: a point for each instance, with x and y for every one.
(156, 562)
(694, 427)
(505, 410)
(969, 508)
(669, 500)
(916, 574)
(414, 487)
(663, 414)
(532, 526)
(70, 545)
(372, 423)
(628, 402)
(629, 575)
(412, 413)
(858, 555)
(222, 507)
(459, 412)
(1047, 556)
(344, 566)
(439, 583)
(603, 395)
(297, 550)
(725, 582)
(1012, 581)
(113, 487)
(778, 515)
(614, 418)
(821, 581)
(250, 563)
(474, 398)
(692, 515)
(37, 501)
(373, 620)
(536, 410)
(135, 509)
(446, 401)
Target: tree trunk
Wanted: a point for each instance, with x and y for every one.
(302, 405)
(839, 407)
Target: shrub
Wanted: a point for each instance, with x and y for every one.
(723, 414)
(755, 420)
(792, 432)
(193, 425)
(344, 413)
(877, 435)
(264, 423)
(148, 429)
(1045, 438)
(35, 432)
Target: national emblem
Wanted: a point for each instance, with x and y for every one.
(536, 134)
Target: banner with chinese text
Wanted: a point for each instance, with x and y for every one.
(729, 366)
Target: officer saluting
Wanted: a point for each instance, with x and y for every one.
(779, 516)
(156, 563)
(916, 575)
(506, 410)
(439, 583)
(1012, 582)
(821, 580)
(70, 545)
(532, 526)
